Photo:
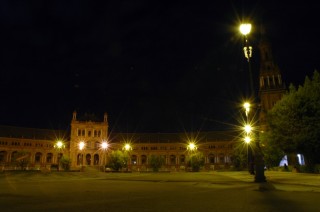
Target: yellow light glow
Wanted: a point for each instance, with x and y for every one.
(127, 147)
(247, 128)
(246, 106)
(247, 139)
(81, 145)
(59, 144)
(245, 28)
(192, 146)
(104, 145)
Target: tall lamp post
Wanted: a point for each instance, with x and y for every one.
(59, 145)
(245, 30)
(81, 147)
(127, 148)
(193, 161)
(104, 146)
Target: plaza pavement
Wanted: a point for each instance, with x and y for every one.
(284, 181)
(276, 180)
(92, 190)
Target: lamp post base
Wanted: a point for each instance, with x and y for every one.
(259, 168)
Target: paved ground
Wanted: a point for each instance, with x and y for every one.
(204, 191)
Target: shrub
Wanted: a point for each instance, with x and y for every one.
(310, 168)
(117, 160)
(196, 161)
(22, 159)
(156, 161)
(65, 162)
(317, 168)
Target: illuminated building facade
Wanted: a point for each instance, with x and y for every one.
(83, 145)
(37, 144)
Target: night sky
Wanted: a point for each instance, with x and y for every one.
(152, 66)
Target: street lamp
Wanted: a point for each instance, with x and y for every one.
(245, 30)
(127, 148)
(104, 147)
(246, 106)
(59, 145)
(81, 146)
(192, 146)
(248, 129)
(247, 139)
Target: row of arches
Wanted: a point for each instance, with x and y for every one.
(86, 159)
(135, 159)
(35, 158)
(181, 159)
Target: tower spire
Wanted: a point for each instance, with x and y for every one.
(271, 86)
(74, 116)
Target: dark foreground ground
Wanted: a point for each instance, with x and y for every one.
(203, 191)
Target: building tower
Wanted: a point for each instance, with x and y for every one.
(271, 86)
(87, 135)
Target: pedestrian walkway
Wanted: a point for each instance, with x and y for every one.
(287, 181)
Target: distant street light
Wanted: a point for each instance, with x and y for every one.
(247, 139)
(81, 146)
(104, 147)
(248, 129)
(59, 145)
(192, 146)
(127, 147)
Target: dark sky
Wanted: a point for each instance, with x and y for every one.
(152, 66)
